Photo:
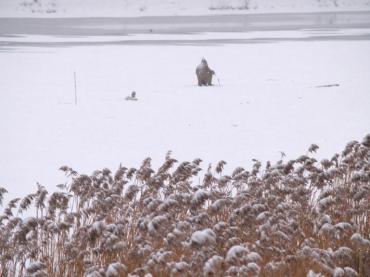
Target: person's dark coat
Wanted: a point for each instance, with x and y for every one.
(204, 74)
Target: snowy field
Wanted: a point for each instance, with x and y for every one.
(273, 96)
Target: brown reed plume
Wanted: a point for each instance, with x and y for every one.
(299, 217)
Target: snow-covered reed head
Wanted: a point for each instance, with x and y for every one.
(297, 217)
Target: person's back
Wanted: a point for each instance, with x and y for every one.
(204, 74)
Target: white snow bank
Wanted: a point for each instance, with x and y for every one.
(90, 8)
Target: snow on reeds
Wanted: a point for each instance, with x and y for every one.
(299, 217)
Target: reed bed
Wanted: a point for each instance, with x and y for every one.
(298, 217)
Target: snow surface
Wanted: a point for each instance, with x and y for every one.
(93, 8)
(269, 100)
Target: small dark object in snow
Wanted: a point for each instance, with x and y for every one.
(132, 97)
(328, 86)
(204, 74)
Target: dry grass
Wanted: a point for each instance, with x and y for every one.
(295, 218)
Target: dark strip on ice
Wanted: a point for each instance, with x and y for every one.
(328, 86)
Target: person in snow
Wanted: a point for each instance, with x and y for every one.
(204, 74)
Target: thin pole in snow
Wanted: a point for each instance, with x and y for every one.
(74, 74)
(218, 80)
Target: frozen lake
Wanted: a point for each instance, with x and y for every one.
(286, 81)
(320, 25)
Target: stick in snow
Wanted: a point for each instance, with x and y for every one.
(75, 88)
(328, 86)
(218, 80)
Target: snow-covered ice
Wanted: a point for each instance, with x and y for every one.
(269, 99)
